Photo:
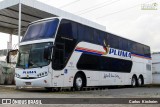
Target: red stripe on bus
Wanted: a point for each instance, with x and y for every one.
(89, 50)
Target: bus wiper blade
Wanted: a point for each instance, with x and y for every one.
(35, 64)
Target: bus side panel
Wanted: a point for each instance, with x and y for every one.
(71, 69)
(140, 68)
(113, 78)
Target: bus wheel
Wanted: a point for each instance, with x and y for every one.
(133, 81)
(78, 82)
(140, 81)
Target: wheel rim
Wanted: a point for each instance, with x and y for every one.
(79, 82)
(140, 81)
(133, 82)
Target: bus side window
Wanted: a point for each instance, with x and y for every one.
(120, 44)
(80, 34)
(134, 47)
(97, 39)
(125, 44)
(116, 42)
(140, 49)
(74, 31)
(92, 35)
(65, 30)
(88, 35)
(113, 41)
(147, 51)
(129, 46)
(103, 37)
(109, 39)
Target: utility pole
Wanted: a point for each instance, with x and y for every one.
(19, 23)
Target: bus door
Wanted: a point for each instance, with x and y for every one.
(58, 64)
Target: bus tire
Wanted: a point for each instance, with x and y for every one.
(78, 82)
(140, 81)
(134, 81)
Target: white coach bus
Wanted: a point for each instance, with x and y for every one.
(58, 52)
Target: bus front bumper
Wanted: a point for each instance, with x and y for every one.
(38, 82)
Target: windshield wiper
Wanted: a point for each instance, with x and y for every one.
(31, 62)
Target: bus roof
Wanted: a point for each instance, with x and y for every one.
(82, 21)
(89, 25)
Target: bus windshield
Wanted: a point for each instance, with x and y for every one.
(31, 56)
(41, 30)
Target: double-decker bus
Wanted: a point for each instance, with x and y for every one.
(59, 52)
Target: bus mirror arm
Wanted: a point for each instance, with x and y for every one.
(8, 58)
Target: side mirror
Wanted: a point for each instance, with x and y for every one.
(12, 56)
(47, 52)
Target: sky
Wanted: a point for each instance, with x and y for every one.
(126, 18)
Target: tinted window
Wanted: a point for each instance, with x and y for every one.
(134, 47)
(115, 65)
(97, 39)
(140, 49)
(68, 29)
(113, 41)
(116, 42)
(121, 43)
(89, 64)
(88, 34)
(41, 30)
(81, 31)
(74, 30)
(147, 51)
(102, 37)
(92, 62)
(125, 44)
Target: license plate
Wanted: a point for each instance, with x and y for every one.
(28, 83)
